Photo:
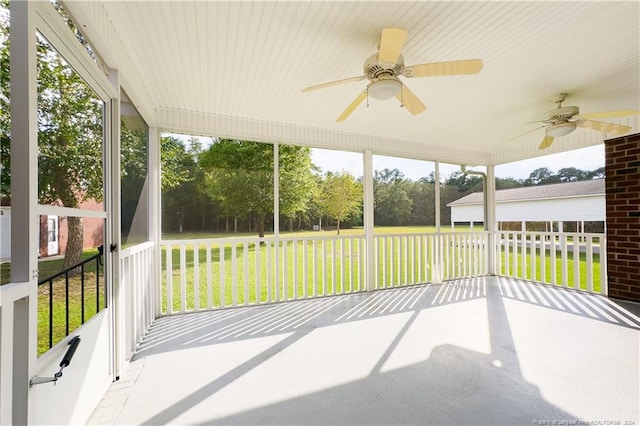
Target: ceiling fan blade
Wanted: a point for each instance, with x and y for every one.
(520, 135)
(610, 114)
(546, 142)
(352, 106)
(466, 66)
(391, 43)
(616, 129)
(334, 83)
(410, 101)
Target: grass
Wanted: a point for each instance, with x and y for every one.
(547, 276)
(50, 267)
(339, 269)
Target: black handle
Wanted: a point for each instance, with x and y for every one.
(73, 345)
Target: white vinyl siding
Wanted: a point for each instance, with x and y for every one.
(582, 208)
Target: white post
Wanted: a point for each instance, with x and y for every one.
(118, 294)
(490, 220)
(437, 244)
(437, 195)
(24, 204)
(370, 278)
(155, 209)
(276, 219)
(560, 227)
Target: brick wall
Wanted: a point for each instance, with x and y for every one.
(622, 168)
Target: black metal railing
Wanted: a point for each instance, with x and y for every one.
(68, 273)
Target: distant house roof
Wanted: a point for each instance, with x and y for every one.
(558, 190)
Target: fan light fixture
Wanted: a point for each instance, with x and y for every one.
(384, 89)
(561, 129)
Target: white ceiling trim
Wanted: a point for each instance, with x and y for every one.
(103, 38)
(216, 125)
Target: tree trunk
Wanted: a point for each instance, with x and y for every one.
(260, 226)
(235, 225)
(290, 224)
(73, 251)
(338, 226)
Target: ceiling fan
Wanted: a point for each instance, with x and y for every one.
(384, 68)
(563, 120)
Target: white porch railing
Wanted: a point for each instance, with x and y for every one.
(137, 280)
(571, 260)
(218, 273)
(405, 259)
(227, 272)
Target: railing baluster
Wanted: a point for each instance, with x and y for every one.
(82, 294)
(576, 261)
(50, 313)
(342, 263)
(315, 267)
(169, 260)
(268, 254)
(196, 277)
(296, 278)
(334, 272)
(285, 270)
(245, 254)
(305, 272)
(183, 277)
(589, 256)
(234, 274)
(209, 277)
(565, 262)
(223, 275)
(543, 257)
(552, 259)
(258, 256)
(324, 268)
(66, 303)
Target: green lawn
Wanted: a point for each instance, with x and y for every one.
(339, 269)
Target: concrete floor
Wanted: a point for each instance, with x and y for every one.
(477, 351)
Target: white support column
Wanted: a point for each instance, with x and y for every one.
(490, 224)
(155, 209)
(438, 261)
(118, 298)
(368, 221)
(24, 205)
(276, 220)
(437, 195)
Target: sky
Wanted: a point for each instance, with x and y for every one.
(586, 159)
(589, 158)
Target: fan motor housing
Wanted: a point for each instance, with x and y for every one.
(373, 68)
(561, 114)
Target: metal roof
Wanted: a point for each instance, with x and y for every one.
(558, 190)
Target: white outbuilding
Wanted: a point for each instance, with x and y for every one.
(576, 202)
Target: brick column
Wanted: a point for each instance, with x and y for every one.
(622, 169)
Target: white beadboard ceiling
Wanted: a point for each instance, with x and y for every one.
(250, 60)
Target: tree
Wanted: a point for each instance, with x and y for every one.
(297, 180)
(392, 205)
(70, 168)
(185, 201)
(339, 196)
(540, 176)
(572, 174)
(239, 174)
